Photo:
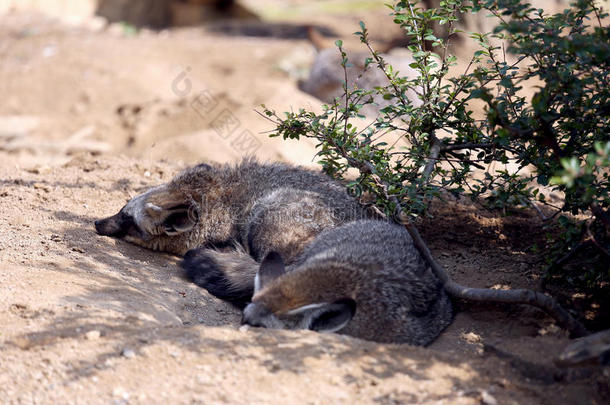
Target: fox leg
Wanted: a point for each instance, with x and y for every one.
(226, 275)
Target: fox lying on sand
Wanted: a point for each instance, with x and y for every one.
(235, 215)
(359, 277)
(365, 279)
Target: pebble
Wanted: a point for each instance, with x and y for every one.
(488, 399)
(43, 187)
(44, 169)
(93, 335)
(128, 353)
(121, 394)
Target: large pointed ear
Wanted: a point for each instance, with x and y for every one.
(271, 268)
(333, 317)
(175, 218)
(179, 221)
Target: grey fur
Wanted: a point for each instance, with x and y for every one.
(372, 263)
(274, 206)
(255, 207)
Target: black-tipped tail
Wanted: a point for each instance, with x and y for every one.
(212, 270)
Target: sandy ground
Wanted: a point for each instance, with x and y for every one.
(91, 116)
(88, 319)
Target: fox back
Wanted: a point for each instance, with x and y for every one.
(210, 205)
(365, 279)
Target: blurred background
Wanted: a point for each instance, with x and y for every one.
(177, 80)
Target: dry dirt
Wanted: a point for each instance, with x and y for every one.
(90, 116)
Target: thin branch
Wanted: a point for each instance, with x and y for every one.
(596, 11)
(600, 214)
(446, 148)
(445, 47)
(347, 93)
(544, 218)
(435, 149)
(593, 239)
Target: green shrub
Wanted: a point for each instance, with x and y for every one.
(556, 142)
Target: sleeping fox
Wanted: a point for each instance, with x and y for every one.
(365, 279)
(234, 215)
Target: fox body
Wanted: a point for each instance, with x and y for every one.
(365, 279)
(234, 216)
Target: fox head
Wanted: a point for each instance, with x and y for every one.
(160, 219)
(273, 307)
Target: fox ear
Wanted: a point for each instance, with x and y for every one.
(174, 219)
(179, 221)
(333, 317)
(271, 268)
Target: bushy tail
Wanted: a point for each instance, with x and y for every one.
(226, 275)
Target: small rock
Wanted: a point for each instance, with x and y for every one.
(244, 328)
(488, 399)
(549, 329)
(49, 51)
(471, 337)
(128, 353)
(17, 126)
(56, 238)
(120, 393)
(41, 186)
(93, 335)
(44, 169)
(78, 249)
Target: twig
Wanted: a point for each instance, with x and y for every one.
(435, 149)
(596, 242)
(446, 148)
(543, 217)
(600, 214)
(347, 93)
(596, 11)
